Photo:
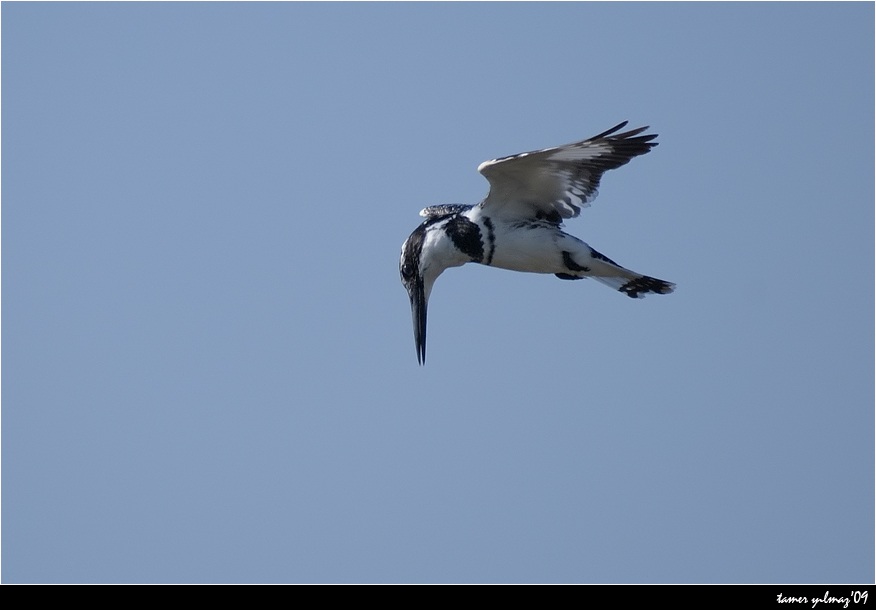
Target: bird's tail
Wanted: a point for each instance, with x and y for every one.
(632, 284)
(603, 269)
(638, 286)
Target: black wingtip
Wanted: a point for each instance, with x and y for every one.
(627, 135)
(612, 130)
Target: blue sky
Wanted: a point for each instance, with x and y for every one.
(208, 368)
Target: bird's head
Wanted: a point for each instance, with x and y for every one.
(416, 270)
(426, 253)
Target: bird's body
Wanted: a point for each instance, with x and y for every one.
(518, 226)
(533, 246)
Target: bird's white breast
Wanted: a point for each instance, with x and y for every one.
(534, 248)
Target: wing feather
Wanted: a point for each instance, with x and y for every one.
(555, 183)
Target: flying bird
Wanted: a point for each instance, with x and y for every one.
(518, 226)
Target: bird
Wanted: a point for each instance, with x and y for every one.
(519, 224)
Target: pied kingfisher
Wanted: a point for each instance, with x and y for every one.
(518, 226)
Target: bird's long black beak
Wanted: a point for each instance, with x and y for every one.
(417, 294)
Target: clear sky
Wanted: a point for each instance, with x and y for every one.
(209, 372)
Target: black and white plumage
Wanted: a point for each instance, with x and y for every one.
(518, 226)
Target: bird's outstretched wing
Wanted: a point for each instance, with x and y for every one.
(555, 183)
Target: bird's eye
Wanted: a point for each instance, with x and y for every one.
(407, 272)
